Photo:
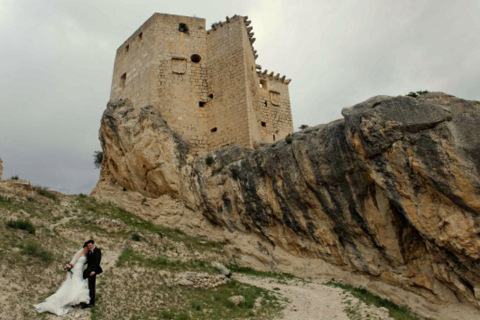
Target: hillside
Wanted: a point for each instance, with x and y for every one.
(151, 271)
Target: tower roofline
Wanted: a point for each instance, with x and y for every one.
(151, 20)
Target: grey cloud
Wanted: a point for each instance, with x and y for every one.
(57, 60)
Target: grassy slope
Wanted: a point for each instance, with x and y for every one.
(41, 231)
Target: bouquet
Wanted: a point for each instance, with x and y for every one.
(68, 267)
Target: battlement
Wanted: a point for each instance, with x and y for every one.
(248, 28)
(270, 76)
(204, 82)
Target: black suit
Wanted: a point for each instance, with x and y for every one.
(93, 265)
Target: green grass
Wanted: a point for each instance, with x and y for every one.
(129, 257)
(222, 308)
(288, 139)
(6, 202)
(21, 224)
(397, 312)
(136, 237)
(34, 249)
(92, 207)
(214, 304)
(43, 191)
(253, 272)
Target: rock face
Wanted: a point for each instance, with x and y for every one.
(392, 190)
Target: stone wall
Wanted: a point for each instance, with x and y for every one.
(160, 71)
(227, 81)
(274, 107)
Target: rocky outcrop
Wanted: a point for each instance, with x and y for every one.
(391, 191)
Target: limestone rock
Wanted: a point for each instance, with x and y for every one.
(224, 270)
(111, 225)
(392, 190)
(21, 186)
(140, 150)
(237, 299)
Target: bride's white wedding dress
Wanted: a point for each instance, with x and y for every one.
(73, 291)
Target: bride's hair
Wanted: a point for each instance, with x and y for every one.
(85, 244)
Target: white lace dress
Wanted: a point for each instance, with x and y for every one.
(73, 291)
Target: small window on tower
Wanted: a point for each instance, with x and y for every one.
(264, 124)
(263, 84)
(182, 27)
(273, 137)
(127, 47)
(123, 80)
(213, 130)
(210, 95)
(266, 104)
(140, 35)
(195, 58)
(201, 104)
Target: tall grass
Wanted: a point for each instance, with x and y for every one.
(35, 249)
(21, 224)
(43, 191)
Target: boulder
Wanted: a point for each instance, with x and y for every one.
(224, 270)
(237, 299)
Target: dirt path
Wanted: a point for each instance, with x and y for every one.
(314, 301)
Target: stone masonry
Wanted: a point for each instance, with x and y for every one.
(205, 83)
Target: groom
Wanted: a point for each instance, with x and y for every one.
(94, 256)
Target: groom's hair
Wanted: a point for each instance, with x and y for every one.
(90, 241)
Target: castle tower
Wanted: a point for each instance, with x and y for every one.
(204, 83)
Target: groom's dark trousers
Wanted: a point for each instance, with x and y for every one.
(93, 265)
(91, 288)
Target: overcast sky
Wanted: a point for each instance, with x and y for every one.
(56, 63)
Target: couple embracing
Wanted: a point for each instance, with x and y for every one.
(75, 289)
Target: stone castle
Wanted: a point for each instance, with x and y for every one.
(205, 83)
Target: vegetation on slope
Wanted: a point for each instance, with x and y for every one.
(142, 263)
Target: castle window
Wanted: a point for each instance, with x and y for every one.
(213, 130)
(273, 137)
(263, 84)
(182, 27)
(127, 47)
(264, 124)
(201, 104)
(210, 95)
(123, 80)
(140, 35)
(266, 104)
(195, 58)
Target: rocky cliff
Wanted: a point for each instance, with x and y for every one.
(391, 191)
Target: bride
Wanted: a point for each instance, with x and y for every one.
(73, 291)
